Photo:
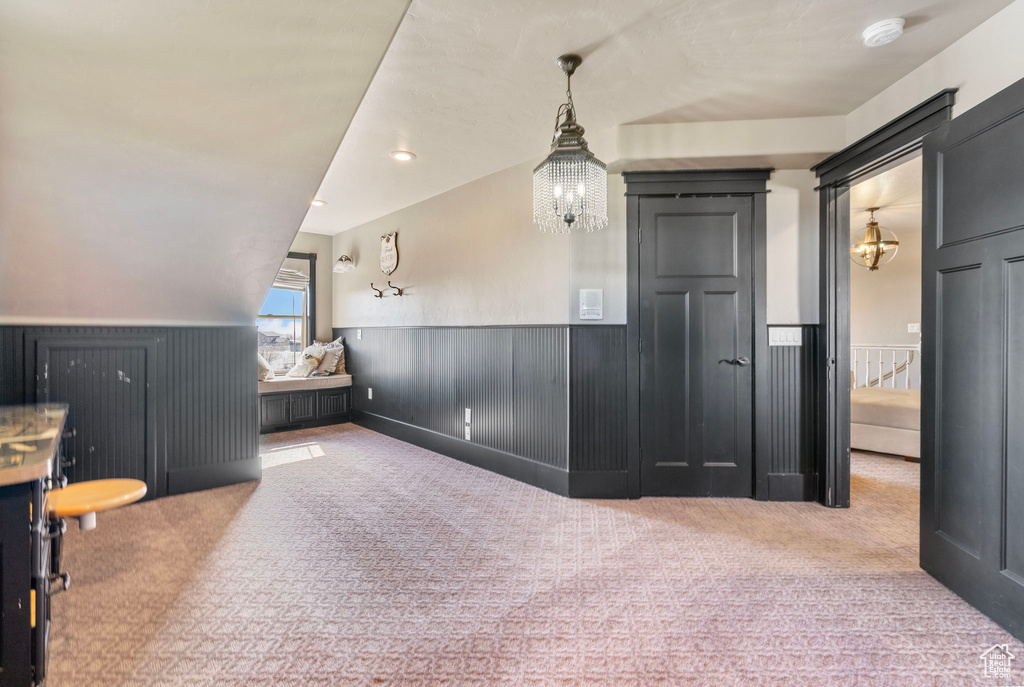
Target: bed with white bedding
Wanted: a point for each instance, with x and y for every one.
(886, 420)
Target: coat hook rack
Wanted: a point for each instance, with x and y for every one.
(398, 291)
(379, 294)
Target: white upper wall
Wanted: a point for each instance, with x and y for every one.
(323, 247)
(982, 63)
(157, 158)
(470, 256)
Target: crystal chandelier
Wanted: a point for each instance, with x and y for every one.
(878, 247)
(570, 188)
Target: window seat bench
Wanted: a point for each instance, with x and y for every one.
(297, 403)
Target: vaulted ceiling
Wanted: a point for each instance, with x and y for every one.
(471, 87)
(157, 158)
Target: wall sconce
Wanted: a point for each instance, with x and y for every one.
(343, 265)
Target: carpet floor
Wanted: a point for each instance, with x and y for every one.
(363, 560)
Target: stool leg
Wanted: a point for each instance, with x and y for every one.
(87, 521)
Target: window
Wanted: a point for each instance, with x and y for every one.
(281, 327)
(284, 326)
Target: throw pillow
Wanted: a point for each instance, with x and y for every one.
(330, 361)
(265, 373)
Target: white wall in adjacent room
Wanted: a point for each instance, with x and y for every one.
(884, 302)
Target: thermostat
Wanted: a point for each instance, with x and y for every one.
(591, 304)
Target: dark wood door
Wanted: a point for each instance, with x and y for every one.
(972, 464)
(696, 358)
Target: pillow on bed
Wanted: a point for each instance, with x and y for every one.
(265, 373)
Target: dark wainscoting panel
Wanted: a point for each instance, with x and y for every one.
(597, 425)
(516, 380)
(792, 392)
(173, 406)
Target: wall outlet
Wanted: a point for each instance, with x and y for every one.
(467, 433)
(914, 328)
(359, 333)
(369, 392)
(469, 416)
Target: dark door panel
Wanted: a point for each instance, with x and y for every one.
(696, 387)
(303, 406)
(274, 409)
(333, 403)
(972, 463)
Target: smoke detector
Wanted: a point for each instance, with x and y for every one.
(883, 32)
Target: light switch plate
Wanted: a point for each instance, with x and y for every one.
(914, 328)
(785, 336)
(591, 304)
(369, 392)
(469, 416)
(467, 433)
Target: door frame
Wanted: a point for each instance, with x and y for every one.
(877, 152)
(720, 182)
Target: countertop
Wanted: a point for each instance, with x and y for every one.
(29, 437)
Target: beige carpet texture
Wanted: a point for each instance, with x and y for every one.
(362, 560)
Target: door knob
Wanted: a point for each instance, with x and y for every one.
(742, 361)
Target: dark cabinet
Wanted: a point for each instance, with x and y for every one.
(274, 409)
(303, 405)
(298, 409)
(334, 402)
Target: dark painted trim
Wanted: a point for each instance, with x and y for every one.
(887, 144)
(896, 135)
(696, 182)
(762, 430)
(598, 485)
(790, 487)
(750, 182)
(522, 469)
(185, 480)
(311, 315)
(633, 346)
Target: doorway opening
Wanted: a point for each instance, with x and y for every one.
(885, 314)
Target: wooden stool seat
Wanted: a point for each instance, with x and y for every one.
(87, 498)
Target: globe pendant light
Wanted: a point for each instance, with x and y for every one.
(570, 188)
(878, 247)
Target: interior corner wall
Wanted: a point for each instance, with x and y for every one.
(792, 247)
(471, 256)
(598, 260)
(980, 64)
(322, 246)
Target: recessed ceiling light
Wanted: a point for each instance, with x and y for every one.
(402, 155)
(885, 31)
(317, 203)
